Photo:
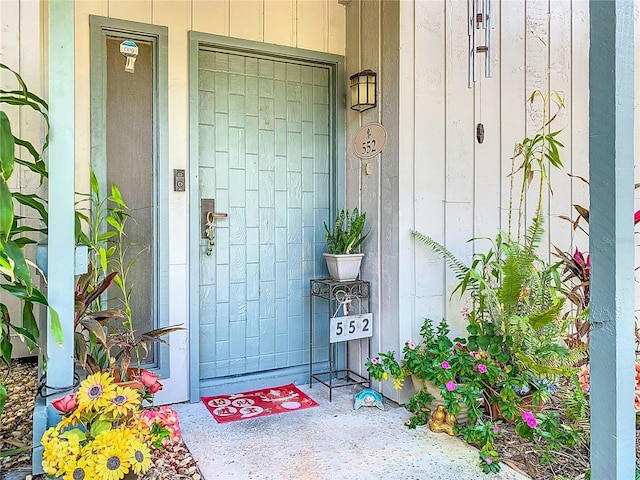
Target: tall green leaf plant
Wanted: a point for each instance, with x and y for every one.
(15, 230)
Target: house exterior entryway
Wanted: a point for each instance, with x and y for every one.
(264, 152)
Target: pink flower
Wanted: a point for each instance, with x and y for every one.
(374, 360)
(147, 378)
(482, 368)
(529, 419)
(412, 345)
(489, 461)
(155, 388)
(636, 401)
(445, 364)
(496, 429)
(464, 311)
(66, 403)
(451, 386)
(167, 418)
(583, 377)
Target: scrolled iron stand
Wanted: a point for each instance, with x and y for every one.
(338, 294)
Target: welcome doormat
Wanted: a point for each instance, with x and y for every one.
(257, 403)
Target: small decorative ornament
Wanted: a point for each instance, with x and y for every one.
(129, 50)
(367, 398)
(441, 421)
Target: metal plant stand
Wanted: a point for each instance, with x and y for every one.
(349, 319)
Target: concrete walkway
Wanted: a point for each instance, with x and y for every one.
(329, 442)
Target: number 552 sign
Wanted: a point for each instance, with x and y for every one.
(369, 140)
(350, 327)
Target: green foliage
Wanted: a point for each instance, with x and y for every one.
(420, 405)
(518, 315)
(105, 337)
(550, 435)
(483, 434)
(3, 397)
(532, 155)
(346, 236)
(15, 272)
(517, 332)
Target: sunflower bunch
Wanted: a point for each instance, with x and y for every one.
(101, 436)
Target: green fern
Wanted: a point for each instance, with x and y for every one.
(459, 269)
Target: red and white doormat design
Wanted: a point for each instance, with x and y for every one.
(257, 403)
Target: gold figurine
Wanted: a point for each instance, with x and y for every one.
(441, 421)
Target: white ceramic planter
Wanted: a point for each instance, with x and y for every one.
(344, 268)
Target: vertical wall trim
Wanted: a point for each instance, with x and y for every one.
(611, 241)
(61, 161)
(193, 246)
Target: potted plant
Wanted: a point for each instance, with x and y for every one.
(437, 367)
(104, 433)
(342, 241)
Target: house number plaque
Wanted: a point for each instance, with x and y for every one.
(350, 327)
(370, 140)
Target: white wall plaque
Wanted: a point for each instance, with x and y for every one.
(370, 140)
(350, 327)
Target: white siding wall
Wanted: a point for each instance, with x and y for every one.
(447, 184)
(20, 37)
(470, 190)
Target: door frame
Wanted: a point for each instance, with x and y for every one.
(335, 64)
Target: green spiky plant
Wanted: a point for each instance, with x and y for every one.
(346, 236)
(16, 231)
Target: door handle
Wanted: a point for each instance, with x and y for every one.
(208, 223)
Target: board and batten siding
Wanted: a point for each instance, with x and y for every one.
(20, 50)
(433, 175)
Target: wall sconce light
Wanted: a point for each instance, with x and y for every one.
(363, 90)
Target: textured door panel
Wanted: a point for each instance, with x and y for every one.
(264, 156)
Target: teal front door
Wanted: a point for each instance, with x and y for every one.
(265, 158)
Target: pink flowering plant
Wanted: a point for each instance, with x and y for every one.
(547, 430)
(163, 422)
(483, 434)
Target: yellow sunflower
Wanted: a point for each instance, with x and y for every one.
(140, 457)
(111, 463)
(124, 400)
(79, 470)
(96, 391)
